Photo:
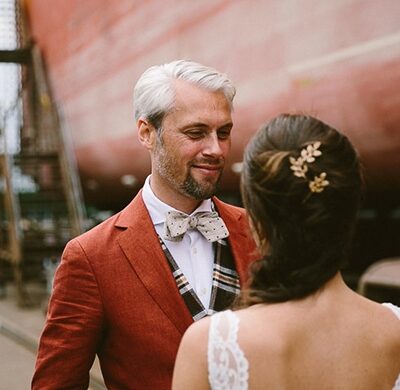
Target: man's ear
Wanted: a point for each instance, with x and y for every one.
(146, 133)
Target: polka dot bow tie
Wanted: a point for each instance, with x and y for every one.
(209, 224)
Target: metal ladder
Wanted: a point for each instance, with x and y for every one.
(35, 225)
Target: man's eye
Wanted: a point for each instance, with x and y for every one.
(195, 134)
(224, 134)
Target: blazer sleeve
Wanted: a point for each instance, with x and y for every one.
(73, 326)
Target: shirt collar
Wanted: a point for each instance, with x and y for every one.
(158, 209)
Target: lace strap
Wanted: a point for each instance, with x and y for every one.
(227, 365)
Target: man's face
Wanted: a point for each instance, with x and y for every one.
(188, 158)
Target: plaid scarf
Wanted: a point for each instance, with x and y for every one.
(225, 283)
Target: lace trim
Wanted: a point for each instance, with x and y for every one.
(397, 384)
(228, 368)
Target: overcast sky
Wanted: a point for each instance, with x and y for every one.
(9, 79)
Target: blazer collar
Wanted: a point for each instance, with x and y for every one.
(140, 244)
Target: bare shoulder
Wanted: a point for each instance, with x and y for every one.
(384, 320)
(377, 329)
(385, 315)
(391, 321)
(190, 369)
(196, 334)
(393, 308)
(261, 330)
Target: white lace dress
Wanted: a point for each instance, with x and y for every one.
(228, 368)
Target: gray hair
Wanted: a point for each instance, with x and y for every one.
(154, 95)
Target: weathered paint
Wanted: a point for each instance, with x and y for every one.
(338, 60)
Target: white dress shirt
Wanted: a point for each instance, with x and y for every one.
(194, 254)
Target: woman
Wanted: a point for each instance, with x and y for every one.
(300, 327)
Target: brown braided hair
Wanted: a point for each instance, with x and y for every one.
(303, 236)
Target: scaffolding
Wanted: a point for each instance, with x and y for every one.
(41, 205)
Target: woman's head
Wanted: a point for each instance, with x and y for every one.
(301, 186)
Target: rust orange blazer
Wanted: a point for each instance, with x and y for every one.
(114, 296)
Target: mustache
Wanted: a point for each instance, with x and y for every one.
(214, 162)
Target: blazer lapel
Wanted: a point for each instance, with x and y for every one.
(140, 244)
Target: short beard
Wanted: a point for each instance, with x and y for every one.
(190, 187)
(193, 189)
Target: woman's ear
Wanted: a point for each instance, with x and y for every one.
(146, 133)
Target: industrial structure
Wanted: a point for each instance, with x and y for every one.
(40, 201)
(77, 152)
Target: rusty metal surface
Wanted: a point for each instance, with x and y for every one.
(337, 60)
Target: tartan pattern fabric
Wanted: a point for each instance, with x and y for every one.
(226, 286)
(225, 283)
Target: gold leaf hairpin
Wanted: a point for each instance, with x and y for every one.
(319, 182)
(299, 167)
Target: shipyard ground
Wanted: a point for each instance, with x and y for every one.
(20, 329)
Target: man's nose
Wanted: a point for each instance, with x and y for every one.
(213, 146)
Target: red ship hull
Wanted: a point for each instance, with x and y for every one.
(339, 61)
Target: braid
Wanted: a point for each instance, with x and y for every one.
(307, 218)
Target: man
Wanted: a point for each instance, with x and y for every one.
(128, 289)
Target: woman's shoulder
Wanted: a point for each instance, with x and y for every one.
(191, 362)
(196, 332)
(199, 330)
(383, 314)
(395, 309)
(391, 322)
(192, 345)
(263, 328)
(380, 323)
